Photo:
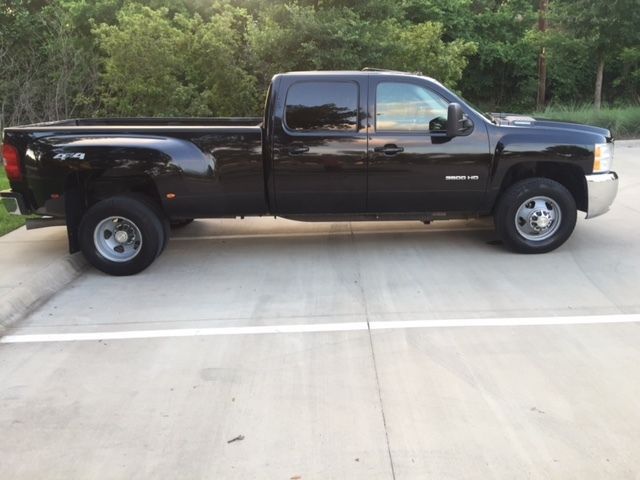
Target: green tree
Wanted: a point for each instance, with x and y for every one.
(454, 15)
(569, 69)
(629, 78)
(61, 58)
(503, 74)
(420, 47)
(291, 36)
(47, 70)
(296, 37)
(158, 64)
(606, 27)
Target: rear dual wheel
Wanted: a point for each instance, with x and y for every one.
(123, 235)
(535, 215)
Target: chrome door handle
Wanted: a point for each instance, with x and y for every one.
(389, 149)
(299, 150)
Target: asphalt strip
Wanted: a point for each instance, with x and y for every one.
(320, 327)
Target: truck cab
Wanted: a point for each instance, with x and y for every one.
(375, 145)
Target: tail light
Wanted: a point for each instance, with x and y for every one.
(11, 160)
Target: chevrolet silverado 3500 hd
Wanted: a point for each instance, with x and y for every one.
(363, 145)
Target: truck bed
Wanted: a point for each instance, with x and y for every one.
(209, 167)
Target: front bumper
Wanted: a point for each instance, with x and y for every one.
(602, 189)
(14, 203)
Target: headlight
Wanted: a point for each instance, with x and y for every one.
(603, 157)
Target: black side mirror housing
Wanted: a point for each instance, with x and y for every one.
(457, 122)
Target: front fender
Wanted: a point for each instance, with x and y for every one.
(550, 147)
(540, 151)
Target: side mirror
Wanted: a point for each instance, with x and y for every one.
(456, 120)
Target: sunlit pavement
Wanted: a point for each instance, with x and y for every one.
(270, 349)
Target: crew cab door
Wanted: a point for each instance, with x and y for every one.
(413, 165)
(319, 154)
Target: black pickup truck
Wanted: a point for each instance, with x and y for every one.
(363, 145)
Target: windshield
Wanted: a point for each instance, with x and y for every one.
(479, 111)
(486, 115)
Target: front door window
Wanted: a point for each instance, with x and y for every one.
(404, 107)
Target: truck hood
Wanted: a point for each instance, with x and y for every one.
(511, 119)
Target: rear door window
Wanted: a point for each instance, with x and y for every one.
(322, 107)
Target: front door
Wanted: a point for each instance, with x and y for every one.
(320, 146)
(413, 165)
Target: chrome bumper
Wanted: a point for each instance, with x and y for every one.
(601, 190)
(13, 202)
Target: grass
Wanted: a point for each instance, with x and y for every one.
(7, 222)
(624, 122)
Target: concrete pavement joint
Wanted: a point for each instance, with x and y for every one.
(373, 355)
(590, 279)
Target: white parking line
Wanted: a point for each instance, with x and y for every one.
(320, 327)
(506, 322)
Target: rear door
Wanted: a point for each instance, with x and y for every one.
(413, 166)
(320, 145)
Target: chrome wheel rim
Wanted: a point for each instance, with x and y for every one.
(117, 239)
(538, 218)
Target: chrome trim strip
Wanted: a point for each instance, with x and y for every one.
(602, 189)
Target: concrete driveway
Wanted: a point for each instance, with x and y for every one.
(280, 350)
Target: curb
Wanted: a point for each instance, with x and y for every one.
(37, 289)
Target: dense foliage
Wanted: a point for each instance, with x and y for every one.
(66, 58)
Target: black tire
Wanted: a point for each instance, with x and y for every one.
(183, 222)
(160, 214)
(536, 197)
(139, 218)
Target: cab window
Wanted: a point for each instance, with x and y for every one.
(322, 106)
(404, 107)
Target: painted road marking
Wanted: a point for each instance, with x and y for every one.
(321, 327)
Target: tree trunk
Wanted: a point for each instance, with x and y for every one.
(542, 60)
(597, 102)
(542, 80)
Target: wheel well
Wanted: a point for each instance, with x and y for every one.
(100, 188)
(570, 176)
(82, 190)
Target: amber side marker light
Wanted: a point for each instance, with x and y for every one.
(603, 157)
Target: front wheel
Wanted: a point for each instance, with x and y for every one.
(122, 235)
(535, 215)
